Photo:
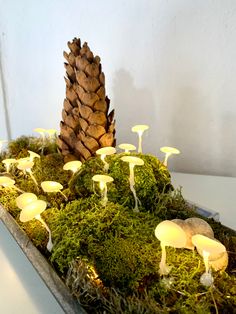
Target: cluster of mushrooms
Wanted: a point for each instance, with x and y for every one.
(31, 207)
(191, 233)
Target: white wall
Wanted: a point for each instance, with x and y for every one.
(169, 64)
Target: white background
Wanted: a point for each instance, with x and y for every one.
(168, 63)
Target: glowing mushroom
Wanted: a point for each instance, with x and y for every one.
(7, 182)
(170, 234)
(53, 187)
(26, 166)
(33, 155)
(127, 147)
(168, 151)
(52, 133)
(140, 128)
(103, 180)
(207, 248)
(24, 199)
(133, 161)
(42, 132)
(8, 162)
(33, 210)
(73, 166)
(103, 152)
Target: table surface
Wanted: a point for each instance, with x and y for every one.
(211, 192)
(21, 290)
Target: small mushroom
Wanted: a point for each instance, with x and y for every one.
(42, 132)
(140, 128)
(33, 155)
(170, 234)
(73, 166)
(193, 226)
(24, 199)
(8, 162)
(51, 133)
(103, 180)
(7, 182)
(33, 210)
(168, 151)
(208, 249)
(103, 152)
(133, 161)
(127, 147)
(53, 187)
(25, 166)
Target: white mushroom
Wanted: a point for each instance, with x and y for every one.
(1, 144)
(26, 167)
(52, 133)
(170, 234)
(42, 132)
(103, 180)
(33, 210)
(208, 248)
(127, 147)
(8, 162)
(33, 155)
(103, 152)
(7, 182)
(53, 187)
(168, 151)
(24, 199)
(140, 128)
(133, 161)
(73, 166)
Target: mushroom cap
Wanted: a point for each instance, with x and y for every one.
(33, 154)
(102, 178)
(133, 160)
(127, 146)
(39, 130)
(6, 181)
(109, 150)
(51, 131)
(9, 161)
(170, 150)
(140, 127)
(24, 199)
(212, 246)
(25, 164)
(51, 186)
(32, 209)
(170, 234)
(73, 165)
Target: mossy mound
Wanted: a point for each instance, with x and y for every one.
(151, 179)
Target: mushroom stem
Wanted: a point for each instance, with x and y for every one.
(34, 180)
(106, 165)
(166, 158)
(65, 197)
(103, 188)
(50, 244)
(140, 142)
(164, 269)
(132, 188)
(206, 261)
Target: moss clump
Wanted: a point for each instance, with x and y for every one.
(150, 180)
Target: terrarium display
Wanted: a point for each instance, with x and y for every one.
(114, 229)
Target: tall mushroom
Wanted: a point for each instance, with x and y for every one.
(103, 152)
(53, 187)
(33, 155)
(207, 248)
(133, 161)
(127, 147)
(33, 210)
(170, 234)
(103, 180)
(140, 128)
(168, 151)
(8, 162)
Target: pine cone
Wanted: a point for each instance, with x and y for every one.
(86, 124)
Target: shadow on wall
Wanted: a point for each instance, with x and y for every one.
(188, 127)
(132, 106)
